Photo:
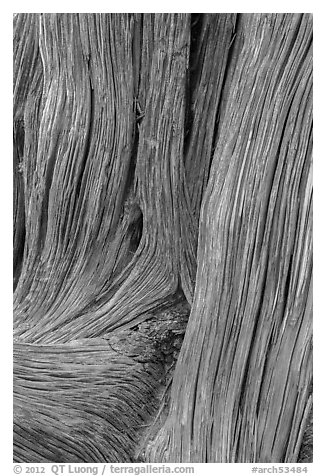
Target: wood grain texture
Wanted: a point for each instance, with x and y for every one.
(240, 388)
(162, 237)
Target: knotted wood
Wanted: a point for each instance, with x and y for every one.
(162, 237)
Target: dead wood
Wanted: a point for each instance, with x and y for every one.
(162, 171)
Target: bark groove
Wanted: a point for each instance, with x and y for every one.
(162, 237)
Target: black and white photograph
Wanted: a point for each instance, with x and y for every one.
(162, 240)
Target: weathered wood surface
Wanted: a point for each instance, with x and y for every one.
(162, 166)
(244, 398)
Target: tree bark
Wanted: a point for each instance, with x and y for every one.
(162, 237)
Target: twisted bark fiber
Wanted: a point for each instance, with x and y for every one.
(162, 237)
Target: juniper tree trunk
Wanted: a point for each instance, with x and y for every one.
(162, 237)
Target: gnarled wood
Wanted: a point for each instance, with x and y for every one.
(162, 237)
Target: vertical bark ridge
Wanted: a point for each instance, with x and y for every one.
(211, 39)
(160, 158)
(256, 215)
(28, 78)
(84, 148)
